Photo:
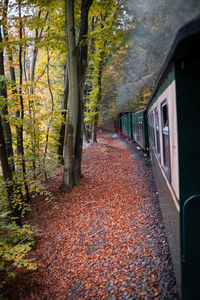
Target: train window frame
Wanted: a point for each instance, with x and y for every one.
(150, 129)
(157, 133)
(153, 130)
(165, 131)
(149, 125)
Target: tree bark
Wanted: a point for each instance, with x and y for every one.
(3, 94)
(38, 36)
(20, 142)
(19, 129)
(82, 70)
(50, 120)
(99, 95)
(69, 178)
(8, 178)
(99, 82)
(63, 118)
(31, 92)
(77, 67)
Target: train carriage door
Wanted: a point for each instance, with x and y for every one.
(190, 248)
(165, 137)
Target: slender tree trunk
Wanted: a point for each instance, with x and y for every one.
(94, 131)
(3, 94)
(19, 129)
(50, 120)
(90, 77)
(99, 95)
(34, 143)
(8, 178)
(31, 104)
(7, 159)
(32, 118)
(99, 82)
(20, 142)
(63, 118)
(33, 65)
(25, 74)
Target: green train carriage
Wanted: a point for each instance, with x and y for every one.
(123, 124)
(173, 116)
(171, 122)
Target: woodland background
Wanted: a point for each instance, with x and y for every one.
(65, 67)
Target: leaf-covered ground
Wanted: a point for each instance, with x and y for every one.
(105, 240)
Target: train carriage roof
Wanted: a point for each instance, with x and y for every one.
(124, 113)
(186, 43)
(139, 111)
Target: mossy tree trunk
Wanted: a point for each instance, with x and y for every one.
(69, 177)
(77, 67)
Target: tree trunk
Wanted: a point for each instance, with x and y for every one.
(77, 67)
(94, 131)
(3, 94)
(20, 142)
(31, 91)
(32, 110)
(50, 120)
(19, 129)
(34, 141)
(82, 70)
(63, 118)
(69, 177)
(86, 133)
(99, 95)
(8, 179)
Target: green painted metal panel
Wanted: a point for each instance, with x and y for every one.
(170, 216)
(168, 80)
(126, 124)
(129, 125)
(190, 248)
(188, 111)
(188, 108)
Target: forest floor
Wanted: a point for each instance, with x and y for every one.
(105, 240)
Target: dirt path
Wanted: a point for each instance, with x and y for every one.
(106, 240)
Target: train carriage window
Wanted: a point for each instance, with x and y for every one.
(157, 133)
(165, 137)
(152, 129)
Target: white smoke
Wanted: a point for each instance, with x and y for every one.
(156, 25)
